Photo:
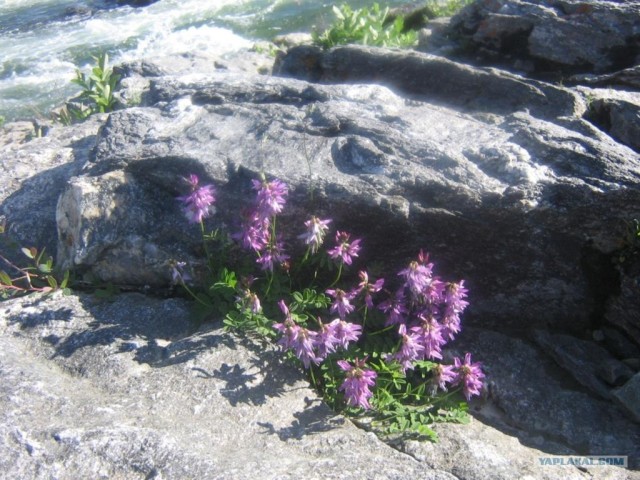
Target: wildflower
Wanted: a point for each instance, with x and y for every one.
(290, 331)
(410, 351)
(469, 375)
(442, 374)
(417, 277)
(345, 250)
(178, 273)
(316, 230)
(367, 288)
(341, 303)
(357, 382)
(270, 197)
(395, 309)
(303, 347)
(455, 304)
(251, 301)
(430, 334)
(198, 204)
(273, 254)
(345, 332)
(255, 233)
(326, 340)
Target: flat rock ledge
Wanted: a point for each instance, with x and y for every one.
(131, 388)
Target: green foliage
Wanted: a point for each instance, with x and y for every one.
(448, 8)
(366, 27)
(97, 90)
(38, 276)
(2, 120)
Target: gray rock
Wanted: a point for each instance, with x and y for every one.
(629, 396)
(619, 119)
(621, 310)
(618, 342)
(130, 388)
(531, 398)
(429, 78)
(595, 36)
(589, 363)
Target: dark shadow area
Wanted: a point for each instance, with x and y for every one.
(312, 420)
(245, 386)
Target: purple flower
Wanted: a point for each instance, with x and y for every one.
(417, 277)
(430, 334)
(296, 338)
(395, 309)
(178, 274)
(272, 255)
(454, 295)
(469, 375)
(270, 197)
(326, 341)
(251, 301)
(341, 302)
(442, 374)
(290, 332)
(198, 204)
(356, 383)
(344, 249)
(303, 347)
(345, 332)
(316, 230)
(255, 233)
(367, 288)
(410, 351)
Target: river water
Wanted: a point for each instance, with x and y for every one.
(42, 42)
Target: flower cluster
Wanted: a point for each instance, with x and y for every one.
(423, 310)
(199, 203)
(311, 345)
(258, 232)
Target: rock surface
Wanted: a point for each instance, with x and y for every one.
(129, 387)
(552, 35)
(522, 187)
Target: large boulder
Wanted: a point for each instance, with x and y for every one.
(552, 35)
(525, 204)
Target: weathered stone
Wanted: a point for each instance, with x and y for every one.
(618, 342)
(619, 119)
(35, 173)
(402, 173)
(529, 397)
(589, 363)
(629, 396)
(622, 309)
(130, 388)
(429, 78)
(593, 36)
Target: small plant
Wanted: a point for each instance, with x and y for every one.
(38, 276)
(97, 89)
(370, 346)
(2, 120)
(367, 27)
(448, 8)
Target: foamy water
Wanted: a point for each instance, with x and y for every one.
(42, 42)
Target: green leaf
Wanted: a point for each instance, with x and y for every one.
(5, 279)
(65, 280)
(44, 268)
(52, 282)
(30, 252)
